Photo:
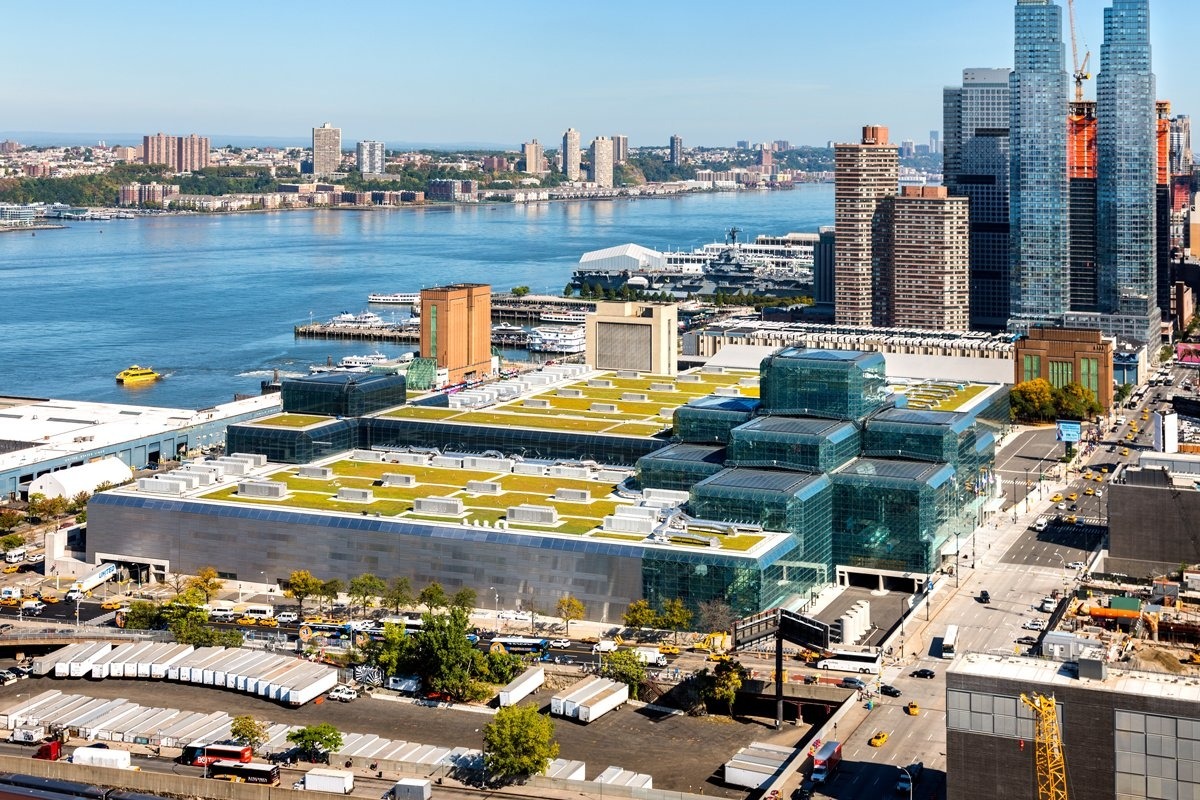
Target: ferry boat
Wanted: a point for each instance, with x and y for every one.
(396, 298)
(366, 319)
(136, 374)
(557, 339)
(359, 363)
(506, 329)
(563, 316)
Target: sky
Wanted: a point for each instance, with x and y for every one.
(408, 71)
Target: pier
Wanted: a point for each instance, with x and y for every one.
(390, 333)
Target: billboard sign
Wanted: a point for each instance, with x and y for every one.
(1068, 430)
(1188, 354)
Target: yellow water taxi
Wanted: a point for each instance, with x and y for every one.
(136, 374)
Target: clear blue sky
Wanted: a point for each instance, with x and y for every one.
(505, 72)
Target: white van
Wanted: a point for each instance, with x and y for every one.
(259, 612)
(222, 615)
(1041, 524)
(15, 556)
(287, 617)
(34, 607)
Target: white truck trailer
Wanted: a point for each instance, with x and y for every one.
(525, 684)
(608, 700)
(102, 757)
(335, 781)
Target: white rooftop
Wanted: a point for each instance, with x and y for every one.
(1055, 673)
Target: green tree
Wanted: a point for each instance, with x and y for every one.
(444, 656)
(399, 594)
(10, 519)
(142, 616)
(394, 652)
(715, 615)
(1032, 401)
(364, 587)
(502, 667)
(317, 739)
(1074, 401)
(1123, 392)
(79, 502)
(640, 615)
(207, 583)
(12, 541)
(625, 666)
(520, 291)
(246, 728)
(330, 590)
(727, 681)
(675, 615)
(433, 597)
(301, 586)
(569, 609)
(569, 290)
(465, 598)
(518, 742)
(37, 507)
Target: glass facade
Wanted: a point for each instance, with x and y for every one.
(1061, 373)
(918, 435)
(1126, 158)
(708, 420)
(678, 466)
(1038, 208)
(342, 395)
(293, 445)
(800, 443)
(836, 384)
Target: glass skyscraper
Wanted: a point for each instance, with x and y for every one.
(1038, 201)
(1126, 172)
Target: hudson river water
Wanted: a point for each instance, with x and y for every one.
(210, 301)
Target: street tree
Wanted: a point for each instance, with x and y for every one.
(518, 742)
(207, 583)
(302, 585)
(625, 667)
(675, 615)
(569, 609)
(36, 508)
(433, 597)
(399, 594)
(330, 590)
(364, 587)
(393, 652)
(316, 740)
(12, 541)
(715, 615)
(177, 581)
(465, 598)
(79, 502)
(1032, 401)
(444, 656)
(727, 681)
(10, 519)
(640, 615)
(246, 728)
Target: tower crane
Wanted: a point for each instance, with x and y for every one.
(1080, 73)
(1048, 754)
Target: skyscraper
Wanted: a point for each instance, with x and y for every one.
(193, 153)
(534, 157)
(602, 161)
(327, 149)
(178, 153)
(1126, 156)
(676, 156)
(866, 175)
(935, 141)
(1038, 195)
(571, 154)
(1181, 145)
(1164, 286)
(371, 157)
(1081, 180)
(620, 149)
(930, 275)
(976, 166)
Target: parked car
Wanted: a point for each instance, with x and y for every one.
(1077, 565)
(924, 672)
(35, 558)
(1027, 641)
(6, 678)
(1034, 625)
(343, 694)
(852, 683)
(561, 644)
(889, 691)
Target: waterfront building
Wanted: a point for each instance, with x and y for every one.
(602, 161)
(327, 149)
(534, 158)
(637, 336)
(372, 157)
(153, 193)
(1126, 170)
(571, 154)
(866, 177)
(453, 190)
(676, 152)
(620, 149)
(976, 166)
(1038, 193)
(930, 255)
(456, 328)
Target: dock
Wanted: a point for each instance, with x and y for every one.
(389, 333)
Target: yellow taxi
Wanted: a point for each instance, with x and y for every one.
(912, 709)
(1098, 478)
(108, 605)
(1129, 437)
(9, 601)
(1057, 498)
(1089, 491)
(49, 597)
(1071, 519)
(247, 621)
(1073, 496)
(268, 622)
(1124, 451)
(313, 620)
(11, 568)
(668, 649)
(1087, 476)
(1104, 470)
(879, 739)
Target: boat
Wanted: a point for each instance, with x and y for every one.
(506, 329)
(557, 339)
(366, 319)
(564, 316)
(396, 298)
(136, 374)
(356, 363)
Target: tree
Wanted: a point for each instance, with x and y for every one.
(444, 656)
(301, 586)
(246, 728)
(79, 502)
(10, 519)
(1123, 392)
(727, 680)
(465, 598)
(142, 616)
(676, 615)
(399, 594)
(1074, 401)
(569, 290)
(330, 590)
(12, 541)
(177, 581)
(569, 609)
(316, 740)
(393, 653)
(626, 667)
(640, 615)
(207, 583)
(1032, 401)
(520, 291)
(364, 587)
(715, 615)
(518, 742)
(433, 597)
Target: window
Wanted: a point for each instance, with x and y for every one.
(1061, 373)
(1089, 374)
(1031, 367)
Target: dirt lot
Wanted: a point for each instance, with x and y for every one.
(682, 753)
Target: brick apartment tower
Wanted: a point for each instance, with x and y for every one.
(178, 153)
(930, 260)
(866, 175)
(326, 149)
(456, 329)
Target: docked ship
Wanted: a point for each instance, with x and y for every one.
(367, 319)
(775, 266)
(557, 339)
(396, 298)
(136, 375)
(506, 329)
(361, 363)
(563, 316)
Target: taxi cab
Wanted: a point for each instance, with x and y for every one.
(879, 739)
(1057, 498)
(1073, 496)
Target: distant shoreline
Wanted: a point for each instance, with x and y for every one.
(31, 228)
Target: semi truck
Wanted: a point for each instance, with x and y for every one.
(105, 572)
(826, 762)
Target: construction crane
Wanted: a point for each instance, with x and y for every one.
(1048, 754)
(1080, 74)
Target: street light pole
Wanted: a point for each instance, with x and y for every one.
(910, 781)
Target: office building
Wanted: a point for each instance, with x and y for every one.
(327, 149)
(1081, 180)
(930, 260)
(908, 148)
(1181, 145)
(823, 267)
(782, 145)
(620, 149)
(743, 144)
(1067, 355)
(601, 154)
(571, 154)
(372, 157)
(866, 177)
(637, 336)
(456, 329)
(1038, 191)
(935, 142)
(178, 153)
(535, 158)
(1126, 171)
(976, 166)
(676, 154)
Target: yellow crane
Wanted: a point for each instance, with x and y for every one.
(1080, 73)
(1048, 753)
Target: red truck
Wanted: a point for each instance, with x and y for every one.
(826, 762)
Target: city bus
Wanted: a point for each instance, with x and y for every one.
(950, 641)
(864, 661)
(239, 772)
(519, 646)
(197, 755)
